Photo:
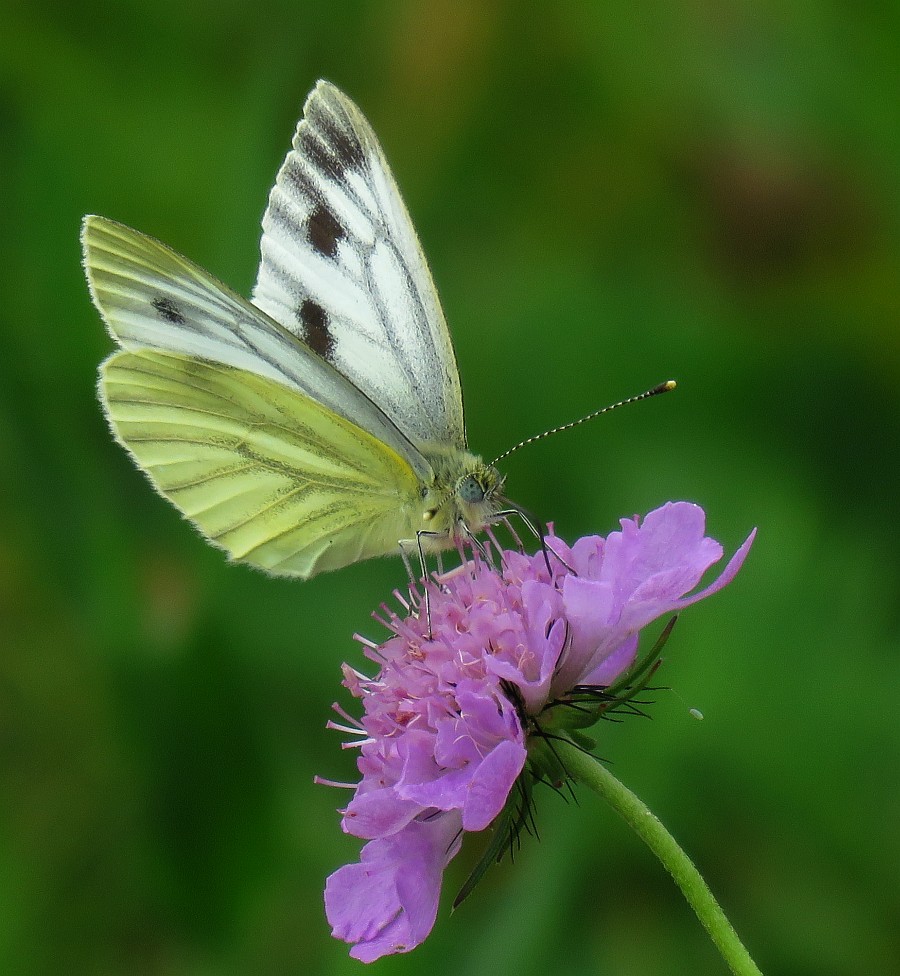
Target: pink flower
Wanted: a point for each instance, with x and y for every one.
(446, 719)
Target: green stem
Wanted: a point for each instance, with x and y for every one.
(588, 770)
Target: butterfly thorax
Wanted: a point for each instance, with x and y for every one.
(464, 495)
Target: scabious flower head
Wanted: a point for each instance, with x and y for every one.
(447, 718)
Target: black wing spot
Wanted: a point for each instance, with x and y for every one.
(168, 310)
(325, 231)
(316, 333)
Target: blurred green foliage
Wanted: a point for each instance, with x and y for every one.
(610, 194)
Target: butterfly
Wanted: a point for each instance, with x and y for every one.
(320, 423)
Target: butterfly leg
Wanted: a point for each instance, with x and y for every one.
(404, 545)
(539, 531)
(407, 544)
(473, 541)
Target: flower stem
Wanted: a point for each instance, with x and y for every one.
(590, 771)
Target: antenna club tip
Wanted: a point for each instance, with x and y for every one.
(669, 385)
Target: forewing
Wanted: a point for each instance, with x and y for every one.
(153, 298)
(266, 473)
(342, 267)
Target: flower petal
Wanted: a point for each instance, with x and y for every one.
(378, 813)
(491, 784)
(728, 573)
(619, 661)
(387, 903)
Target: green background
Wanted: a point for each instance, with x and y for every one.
(610, 194)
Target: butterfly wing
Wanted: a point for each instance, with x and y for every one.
(265, 472)
(343, 269)
(153, 298)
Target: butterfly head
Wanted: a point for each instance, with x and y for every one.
(464, 496)
(478, 495)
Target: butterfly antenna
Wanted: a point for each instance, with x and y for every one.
(662, 388)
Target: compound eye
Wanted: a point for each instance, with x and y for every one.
(470, 490)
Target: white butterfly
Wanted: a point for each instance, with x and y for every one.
(323, 423)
